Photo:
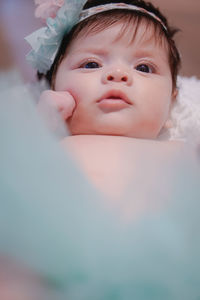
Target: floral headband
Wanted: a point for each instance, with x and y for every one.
(61, 16)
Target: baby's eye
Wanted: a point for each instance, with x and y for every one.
(144, 68)
(91, 65)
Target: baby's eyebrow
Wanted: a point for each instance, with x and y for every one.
(96, 51)
(144, 53)
(152, 54)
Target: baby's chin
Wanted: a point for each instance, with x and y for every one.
(139, 130)
(116, 132)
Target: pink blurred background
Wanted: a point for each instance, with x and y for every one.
(17, 20)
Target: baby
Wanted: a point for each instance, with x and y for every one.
(113, 80)
(112, 68)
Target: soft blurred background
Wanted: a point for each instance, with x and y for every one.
(17, 20)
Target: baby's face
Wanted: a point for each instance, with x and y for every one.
(121, 87)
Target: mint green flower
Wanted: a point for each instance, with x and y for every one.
(45, 42)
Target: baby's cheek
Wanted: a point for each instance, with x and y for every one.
(75, 90)
(77, 120)
(59, 82)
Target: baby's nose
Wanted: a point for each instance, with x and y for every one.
(117, 75)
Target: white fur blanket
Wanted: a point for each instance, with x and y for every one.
(185, 114)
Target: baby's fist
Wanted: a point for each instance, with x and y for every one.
(63, 102)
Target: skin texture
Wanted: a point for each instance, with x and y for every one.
(117, 71)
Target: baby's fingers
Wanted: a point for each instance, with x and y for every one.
(63, 102)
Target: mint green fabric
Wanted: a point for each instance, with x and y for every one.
(46, 41)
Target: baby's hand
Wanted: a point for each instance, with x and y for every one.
(63, 102)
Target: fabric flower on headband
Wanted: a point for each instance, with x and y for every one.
(47, 8)
(45, 42)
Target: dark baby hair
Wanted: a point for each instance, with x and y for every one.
(103, 20)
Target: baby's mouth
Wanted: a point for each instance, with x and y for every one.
(115, 95)
(113, 100)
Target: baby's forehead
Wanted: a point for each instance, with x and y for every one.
(142, 35)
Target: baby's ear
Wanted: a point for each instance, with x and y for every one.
(174, 94)
(169, 123)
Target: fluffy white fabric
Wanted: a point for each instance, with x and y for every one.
(185, 114)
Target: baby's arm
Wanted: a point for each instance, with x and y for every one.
(63, 102)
